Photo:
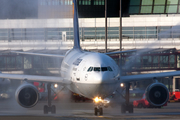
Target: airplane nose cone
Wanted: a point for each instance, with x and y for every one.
(103, 84)
(103, 78)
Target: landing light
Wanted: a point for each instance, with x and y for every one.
(55, 85)
(122, 85)
(97, 99)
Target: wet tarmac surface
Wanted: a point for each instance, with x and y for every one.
(10, 110)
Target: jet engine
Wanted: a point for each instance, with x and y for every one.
(27, 95)
(157, 94)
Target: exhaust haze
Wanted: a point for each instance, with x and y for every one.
(163, 37)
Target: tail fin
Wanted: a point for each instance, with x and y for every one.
(76, 27)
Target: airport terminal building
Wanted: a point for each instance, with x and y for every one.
(46, 26)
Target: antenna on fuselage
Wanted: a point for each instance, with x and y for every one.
(76, 26)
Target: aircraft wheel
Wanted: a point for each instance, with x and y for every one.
(45, 109)
(95, 111)
(101, 111)
(123, 108)
(53, 109)
(158, 107)
(131, 108)
(140, 105)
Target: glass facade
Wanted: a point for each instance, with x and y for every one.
(84, 2)
(135, 2)
(87, 33)
(171, 9)
(55, 2)
(147, 2)
(99, 2)
(146, 9)
(45, 9)
(154, 6)
(134, 6)
(158, 9)
(134, 9)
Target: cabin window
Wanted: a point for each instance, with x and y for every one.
(77, 62)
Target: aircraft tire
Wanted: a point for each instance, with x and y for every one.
(140, 105)
(101, 111)
(53, 109)
(45, 109)
(131, 110)
(95, 111)
(123, 108)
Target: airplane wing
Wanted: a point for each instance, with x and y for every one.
(39, 54)
(36, 78)
(120, 52)
(132, 78)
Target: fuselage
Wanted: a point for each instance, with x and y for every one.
(92, 74)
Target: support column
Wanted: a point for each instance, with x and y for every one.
(105, 26)
(49, 94)
(169, 86)
(127, 93)
(120, 38)
(174, 84)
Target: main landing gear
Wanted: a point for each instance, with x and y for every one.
(49, 107)
(127, 106)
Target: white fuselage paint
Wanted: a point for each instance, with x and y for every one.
(94, 83)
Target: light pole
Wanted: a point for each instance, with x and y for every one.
(105, 26)
(120, 38)
(120, 28)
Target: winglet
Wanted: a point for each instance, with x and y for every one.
(76, 26)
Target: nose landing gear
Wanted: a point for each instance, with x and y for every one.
(98, 103)
(98, 110)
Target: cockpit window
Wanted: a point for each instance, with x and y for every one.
(104, 69)
(109, 68)
(98, 69)
(90, 69)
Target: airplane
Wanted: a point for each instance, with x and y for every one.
(90, 74)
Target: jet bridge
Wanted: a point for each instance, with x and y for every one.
(150, 60)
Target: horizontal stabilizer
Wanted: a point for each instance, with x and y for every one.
(39, 54)
(35, 78)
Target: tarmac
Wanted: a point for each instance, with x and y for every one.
(67, 110)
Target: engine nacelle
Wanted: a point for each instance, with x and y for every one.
(157, 94)
(27, 95)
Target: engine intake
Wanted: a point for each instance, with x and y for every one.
(157, 94)
(27, 95)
